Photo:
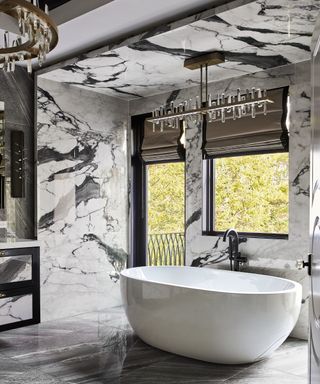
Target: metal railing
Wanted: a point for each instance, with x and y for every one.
(166, 249)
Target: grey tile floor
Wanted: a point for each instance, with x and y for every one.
(100, 347)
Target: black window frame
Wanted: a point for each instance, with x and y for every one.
(139, 200)
(138, 195)
(208, 221)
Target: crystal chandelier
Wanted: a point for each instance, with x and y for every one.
(219, 108)
(33, 34)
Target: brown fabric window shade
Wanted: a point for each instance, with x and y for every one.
(264, 133)
(162, 146)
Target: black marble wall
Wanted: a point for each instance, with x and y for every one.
(17, 92)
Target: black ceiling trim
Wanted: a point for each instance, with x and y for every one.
(52, 3)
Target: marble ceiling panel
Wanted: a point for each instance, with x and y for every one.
(254, 37)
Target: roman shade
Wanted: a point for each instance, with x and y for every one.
(262, 134)
(161, 146)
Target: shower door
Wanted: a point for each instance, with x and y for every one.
(314, 259)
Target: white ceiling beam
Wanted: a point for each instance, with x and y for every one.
(75, 8)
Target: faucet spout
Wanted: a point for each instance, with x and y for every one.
(234, 255)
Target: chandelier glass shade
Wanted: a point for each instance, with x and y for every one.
(33, 33)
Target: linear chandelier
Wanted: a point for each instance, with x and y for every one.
(35, 33)
(220, 108)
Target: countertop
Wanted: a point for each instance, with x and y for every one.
(10, 243)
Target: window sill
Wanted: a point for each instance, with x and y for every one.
(254, 235)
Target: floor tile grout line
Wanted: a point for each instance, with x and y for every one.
(240, 371)
(289, 373)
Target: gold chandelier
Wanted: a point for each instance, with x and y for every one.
(35, 33)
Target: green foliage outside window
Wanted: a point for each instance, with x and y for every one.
(252, 193)
(166, 198)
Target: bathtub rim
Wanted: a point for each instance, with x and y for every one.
(296, 286)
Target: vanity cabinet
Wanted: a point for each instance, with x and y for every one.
(19, 287)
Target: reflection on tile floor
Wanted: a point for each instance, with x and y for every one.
(99, 348)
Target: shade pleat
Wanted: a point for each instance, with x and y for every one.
(264, 133)
(161, 146)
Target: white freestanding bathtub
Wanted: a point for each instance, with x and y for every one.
(208, 314)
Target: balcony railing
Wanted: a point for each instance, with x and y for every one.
(166, 249)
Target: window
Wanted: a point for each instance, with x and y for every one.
(165, 197)
(246, 181)
(158, 194)
(165, 213)
(251, 193)
(248, 193)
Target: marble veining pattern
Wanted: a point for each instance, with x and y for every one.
(15, 308)
(15, 269)
(82, 209)
(17, 93)
(100, 347)
(254, 37)
(276, 257)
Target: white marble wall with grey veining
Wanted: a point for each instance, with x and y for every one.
(276, 257)
(255, 36)
(15, 308)
(82, 198)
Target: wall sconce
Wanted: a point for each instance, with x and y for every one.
(17, 164)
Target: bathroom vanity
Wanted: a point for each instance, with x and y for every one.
(19, 283)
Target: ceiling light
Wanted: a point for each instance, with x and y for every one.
(220, 108)
(29, 33)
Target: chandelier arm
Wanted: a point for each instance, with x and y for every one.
(27, 46)
(204, 110)
(252, 103)
(44, 32)
(9, 7)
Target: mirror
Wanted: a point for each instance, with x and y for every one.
(2, 157)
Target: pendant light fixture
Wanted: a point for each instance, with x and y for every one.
(29, 33)
(215, 108)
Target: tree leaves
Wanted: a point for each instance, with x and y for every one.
(166, 197)
(252, 193)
